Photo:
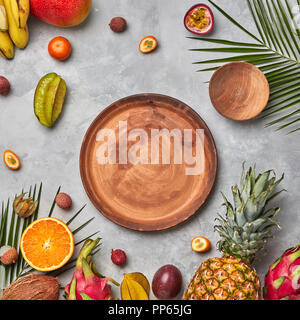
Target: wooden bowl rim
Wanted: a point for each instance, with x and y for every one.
(220, 69)
(140, 226)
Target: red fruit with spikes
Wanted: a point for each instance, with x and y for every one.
(283, 279)
(87, 283)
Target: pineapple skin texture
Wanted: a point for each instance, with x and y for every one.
(226, 278)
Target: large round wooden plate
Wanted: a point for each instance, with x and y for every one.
(147, 196)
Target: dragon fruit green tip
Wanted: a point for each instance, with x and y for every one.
(87, 283)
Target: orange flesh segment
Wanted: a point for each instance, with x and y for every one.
(47, 244)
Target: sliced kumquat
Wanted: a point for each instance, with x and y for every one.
(11, 160)
(47, 244)
(148, 44)
(200, 244)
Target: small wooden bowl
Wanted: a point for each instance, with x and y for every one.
(239, 91)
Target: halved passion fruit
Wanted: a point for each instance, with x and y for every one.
(199, 19)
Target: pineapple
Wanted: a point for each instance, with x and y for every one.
(244, 231)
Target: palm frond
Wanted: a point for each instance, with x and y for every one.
(12, 226)
(275, 50)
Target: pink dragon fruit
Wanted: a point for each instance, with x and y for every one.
(282, 282)
(87, 283)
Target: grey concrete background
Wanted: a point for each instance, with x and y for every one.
(105, 67)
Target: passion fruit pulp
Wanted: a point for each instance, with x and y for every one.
(199, 19)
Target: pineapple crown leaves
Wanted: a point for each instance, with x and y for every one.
(248, 222)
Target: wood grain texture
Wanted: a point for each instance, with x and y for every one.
(239, 91)
(146, 197)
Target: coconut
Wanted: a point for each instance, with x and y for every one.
(32, 287)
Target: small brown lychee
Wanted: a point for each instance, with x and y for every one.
(9, 255)
(63, 200)
(118, 257)
(118, 24)
(4, 86)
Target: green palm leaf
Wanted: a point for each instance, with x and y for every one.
(12, 226)
(275, 51)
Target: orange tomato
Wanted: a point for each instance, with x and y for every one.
(148, 44)
(200, 244)
(11, 160)
(60, 48)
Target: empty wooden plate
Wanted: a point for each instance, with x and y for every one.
(141, 196)
(239, 91)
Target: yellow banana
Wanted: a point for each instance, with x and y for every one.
(20, 11)
(3, 17)
(19, 36)
(24, 9)
(6, 45)
(15, 11)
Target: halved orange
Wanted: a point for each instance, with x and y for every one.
(47, 244)
(200, 244)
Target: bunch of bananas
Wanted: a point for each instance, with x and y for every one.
(13, 26)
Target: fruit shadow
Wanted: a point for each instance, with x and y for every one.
(244, 125)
